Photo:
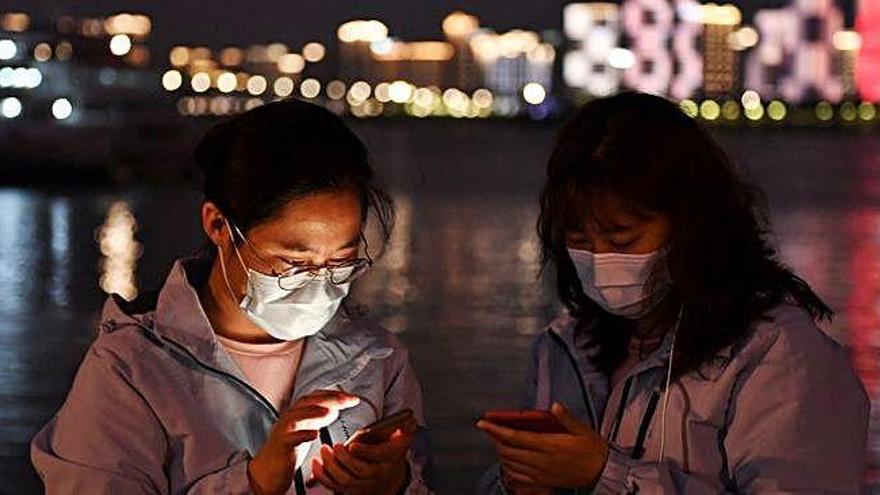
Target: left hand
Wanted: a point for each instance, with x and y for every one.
(563, 460)
(362, 469)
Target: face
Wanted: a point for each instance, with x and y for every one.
(317, 230)
(616, 228)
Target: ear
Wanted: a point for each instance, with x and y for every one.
(214, 224)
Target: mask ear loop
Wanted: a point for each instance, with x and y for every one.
(223, 262)
(666, 392)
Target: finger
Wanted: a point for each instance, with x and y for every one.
(571, 423)
(358, 467)
(320, 476)
(294, 438)
(522, 456)
(390, 451)
(333, 399)
(521, 478)
(516, 438)
(509, 464)
(335, 471)
(303, 418)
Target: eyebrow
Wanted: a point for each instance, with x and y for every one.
(304, 248)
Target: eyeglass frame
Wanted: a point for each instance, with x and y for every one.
(360, 264)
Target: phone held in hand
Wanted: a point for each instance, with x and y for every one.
(526, 419)
(381, 430)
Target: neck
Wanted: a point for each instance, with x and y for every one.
(226, 318)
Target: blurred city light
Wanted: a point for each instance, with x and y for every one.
(363, 31)
(227, 82)
(459, 24)
(64, 51)
(400, 91)
(8, 50)
(200, 82)
(15, 22)
(621, 58)
(10, 107)
(42, 52)
(62, 109)
(310, 88)
(135, 25)
(534, 93)
(291, 63)
(172, 80)
(283, 87)
(847, 40)
(710, 110)
(381, 92)
(120, 44)
(776, 110)
(335, 90)
(689, 107)
(824, 111)
(313, 52)
(179, 56)
(257, 85)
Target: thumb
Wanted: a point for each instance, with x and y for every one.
(571, 423)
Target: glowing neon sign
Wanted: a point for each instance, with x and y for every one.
(682, 49)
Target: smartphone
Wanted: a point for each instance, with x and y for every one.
(381, 431)
(526, 419)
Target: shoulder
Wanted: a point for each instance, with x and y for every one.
(788, 333)
(788, 345)
(360, 329)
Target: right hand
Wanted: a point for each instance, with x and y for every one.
(518, 488)
(271, 471)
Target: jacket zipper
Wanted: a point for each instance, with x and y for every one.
(639, 448)
(556, 338)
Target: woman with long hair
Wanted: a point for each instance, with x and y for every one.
(689, 360)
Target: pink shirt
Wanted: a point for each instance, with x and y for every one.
(270, 368)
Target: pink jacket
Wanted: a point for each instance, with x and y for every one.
(782, 411)
(158, 406)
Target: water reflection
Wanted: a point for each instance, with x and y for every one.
(460, 280)
(59, 282)
(863, 316)
(19, 251)
(120, 250)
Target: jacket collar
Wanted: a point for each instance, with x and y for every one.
(335, 354)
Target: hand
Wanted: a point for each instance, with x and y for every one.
(366, 469)
(271, 471)
(540, 460)
(516, 488)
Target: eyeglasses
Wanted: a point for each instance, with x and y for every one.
(297, 276)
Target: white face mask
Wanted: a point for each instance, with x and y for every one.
(288, 314)
(618, 282)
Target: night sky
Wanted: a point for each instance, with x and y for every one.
(217, 23)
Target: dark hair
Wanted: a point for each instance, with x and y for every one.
(256, 162)
(645, 152)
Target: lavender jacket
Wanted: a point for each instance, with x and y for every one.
(158, 406)
(781, 411)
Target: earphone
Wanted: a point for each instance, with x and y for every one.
(666, 392)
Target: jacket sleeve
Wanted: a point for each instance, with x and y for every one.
(490, 481)
(796, 423)
(404, 391)
(105, 438)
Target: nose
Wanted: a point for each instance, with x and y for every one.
(601, 246)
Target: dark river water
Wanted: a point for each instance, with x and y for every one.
(459, 283)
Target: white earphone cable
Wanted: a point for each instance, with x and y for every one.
(666, 392)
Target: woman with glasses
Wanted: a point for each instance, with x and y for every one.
(247, 372)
